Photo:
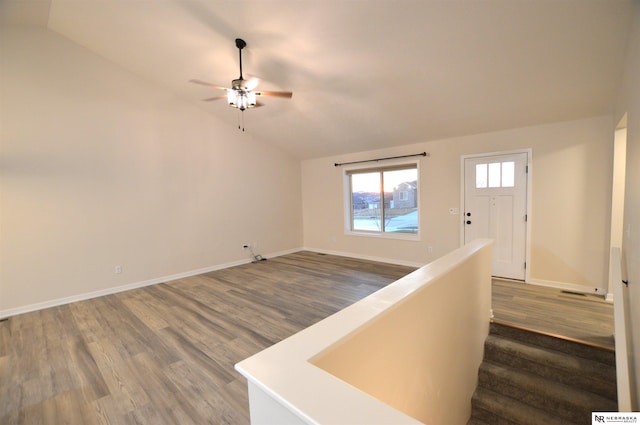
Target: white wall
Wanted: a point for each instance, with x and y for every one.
(629, 102)
(375, 362)
(100, 168)
(572, 175)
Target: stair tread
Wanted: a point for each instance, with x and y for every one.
(544, 391)
(528, 378)
(598, 352)
(476, 421)
(511, 410)
(556, 359)
(579, 372)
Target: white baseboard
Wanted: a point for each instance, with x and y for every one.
(114, 290)
(574, 287)
(365, 257)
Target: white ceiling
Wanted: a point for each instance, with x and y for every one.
(365, 74)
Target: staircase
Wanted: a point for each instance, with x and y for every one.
(532, 378)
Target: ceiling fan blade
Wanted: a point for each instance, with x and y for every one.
(209, 99)
(204, 83)
(252, 83)
(287, 94)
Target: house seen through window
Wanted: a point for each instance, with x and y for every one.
(384, 199)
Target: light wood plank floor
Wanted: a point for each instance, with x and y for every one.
(164, 354)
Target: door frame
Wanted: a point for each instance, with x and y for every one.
(529, 197)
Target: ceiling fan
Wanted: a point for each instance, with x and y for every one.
(242, 94)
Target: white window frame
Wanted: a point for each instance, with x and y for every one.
(348, 202)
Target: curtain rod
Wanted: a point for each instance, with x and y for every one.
(338, 164)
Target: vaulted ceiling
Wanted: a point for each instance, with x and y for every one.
(365, 74)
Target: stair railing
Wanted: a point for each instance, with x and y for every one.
(621, 330)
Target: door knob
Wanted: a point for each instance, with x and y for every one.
(468, 221)
(468, 214)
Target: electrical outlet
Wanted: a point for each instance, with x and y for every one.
(117, 270)
(254, 245)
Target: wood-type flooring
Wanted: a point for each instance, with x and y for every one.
(164, 354)
(581, 317)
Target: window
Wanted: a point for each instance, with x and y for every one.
(383, 200)
(495, 174)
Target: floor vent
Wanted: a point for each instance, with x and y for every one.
(574, 293)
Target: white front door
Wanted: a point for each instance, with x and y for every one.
(495, 206)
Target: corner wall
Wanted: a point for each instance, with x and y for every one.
(629, 102)
(398, 356)
(100, 168)
(572, 175)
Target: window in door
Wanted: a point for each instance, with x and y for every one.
(495, 174)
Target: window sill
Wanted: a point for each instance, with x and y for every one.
(390, 235)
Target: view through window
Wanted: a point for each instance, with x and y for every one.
(384, 200)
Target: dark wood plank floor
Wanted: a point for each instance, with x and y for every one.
(164, 354)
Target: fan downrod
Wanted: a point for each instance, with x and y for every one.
(240, 44)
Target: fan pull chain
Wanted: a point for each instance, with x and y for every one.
(240, 120)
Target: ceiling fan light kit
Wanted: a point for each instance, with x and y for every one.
(241, 94)
(241, 99)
